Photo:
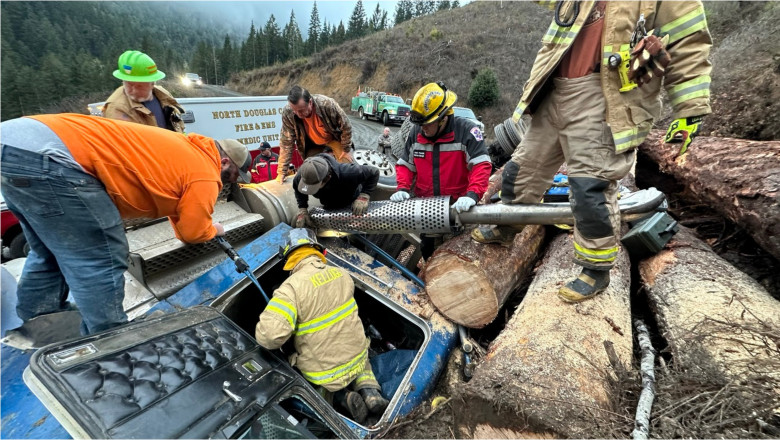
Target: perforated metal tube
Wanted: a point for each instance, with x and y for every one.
(427, 215)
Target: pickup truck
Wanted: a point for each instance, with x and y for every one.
(12, 236)
(380, 105)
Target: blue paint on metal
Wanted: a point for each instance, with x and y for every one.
(213, 283)
(23, 414)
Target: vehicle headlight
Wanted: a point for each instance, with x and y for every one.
(392, 111)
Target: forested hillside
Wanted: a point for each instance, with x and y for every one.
(54, 50)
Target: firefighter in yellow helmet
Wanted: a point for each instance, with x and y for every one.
(139, 99)
(446, 154)
(316, 306)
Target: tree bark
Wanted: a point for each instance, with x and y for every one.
(468, 282)
(739, 179)
(710, 313)
(547, 372)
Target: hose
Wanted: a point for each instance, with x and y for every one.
(558, 21)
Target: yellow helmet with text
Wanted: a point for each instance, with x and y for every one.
(431, 103)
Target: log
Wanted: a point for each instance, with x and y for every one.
(547, 373)
(710, 313)
(468, 282)
(739, 179)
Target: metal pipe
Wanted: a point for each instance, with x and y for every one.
(434, 215)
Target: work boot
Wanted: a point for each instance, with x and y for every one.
(503, 235)
(353, 403)
(588, 284)
(374, 401)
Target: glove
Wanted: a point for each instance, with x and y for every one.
(463, 203)
(304, 220)
(683, 131)
(649, 59)
(360, 205)
(400, 196)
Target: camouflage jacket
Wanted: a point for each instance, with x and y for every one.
(294, 133)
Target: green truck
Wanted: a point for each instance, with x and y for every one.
(381, 106)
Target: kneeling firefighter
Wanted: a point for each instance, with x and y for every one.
(316, 305)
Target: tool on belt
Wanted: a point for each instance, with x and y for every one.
(645, 59)
(241, 265)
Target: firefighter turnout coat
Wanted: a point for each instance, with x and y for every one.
(316, 306)
(455, 164)
(630, 115)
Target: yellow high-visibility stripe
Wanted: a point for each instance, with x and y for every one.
(694, 88)
(364, 376)
(322, 377)
(283, 308)
(596, 255)
(629, 139)
(688, 24)
(549, 4)
(518, 113)
(328, 319)
(559, 35)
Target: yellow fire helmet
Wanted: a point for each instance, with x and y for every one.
(431, 103)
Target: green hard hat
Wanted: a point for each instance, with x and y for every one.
(137, 66)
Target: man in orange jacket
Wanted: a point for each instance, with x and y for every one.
(70, 180)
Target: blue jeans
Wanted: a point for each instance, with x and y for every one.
(76, 236)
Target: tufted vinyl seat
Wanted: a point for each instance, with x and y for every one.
(121, 384)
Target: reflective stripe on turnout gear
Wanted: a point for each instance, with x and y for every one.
(596, 255)
(327, 319)
(283, 308)
(322, 377)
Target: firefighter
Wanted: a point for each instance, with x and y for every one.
(445, 153)
(336, 185)
(70, 180)
(316, 306)
(593, 117)
(139, 99)
(313, 124)
(265, 165)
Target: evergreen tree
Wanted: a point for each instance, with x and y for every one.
(455, 4)
(375, 23)
(273, 41)
(443, 5)
(292, 38)
(400, 12)
(357, 22)
(324, 36)
(383, 22)
(340, 34)
(227, 60)
(484, 89)
(315, 30)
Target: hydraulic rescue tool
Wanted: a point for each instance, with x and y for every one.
(241, 265)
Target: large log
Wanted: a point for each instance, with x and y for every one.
(468, 282)
(739, 179)
(547, 372)
(710, 313)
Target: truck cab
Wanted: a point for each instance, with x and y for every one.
(381, 106)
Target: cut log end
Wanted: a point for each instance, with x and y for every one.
(467, 297)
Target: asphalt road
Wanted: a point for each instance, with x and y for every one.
(365, 133)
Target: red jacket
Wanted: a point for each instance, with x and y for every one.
(264, 168)
(455, 164)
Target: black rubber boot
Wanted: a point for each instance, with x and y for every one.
(374, 401)
(588, 284)
(353, 403)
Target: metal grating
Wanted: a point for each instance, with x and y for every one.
(424, 215)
